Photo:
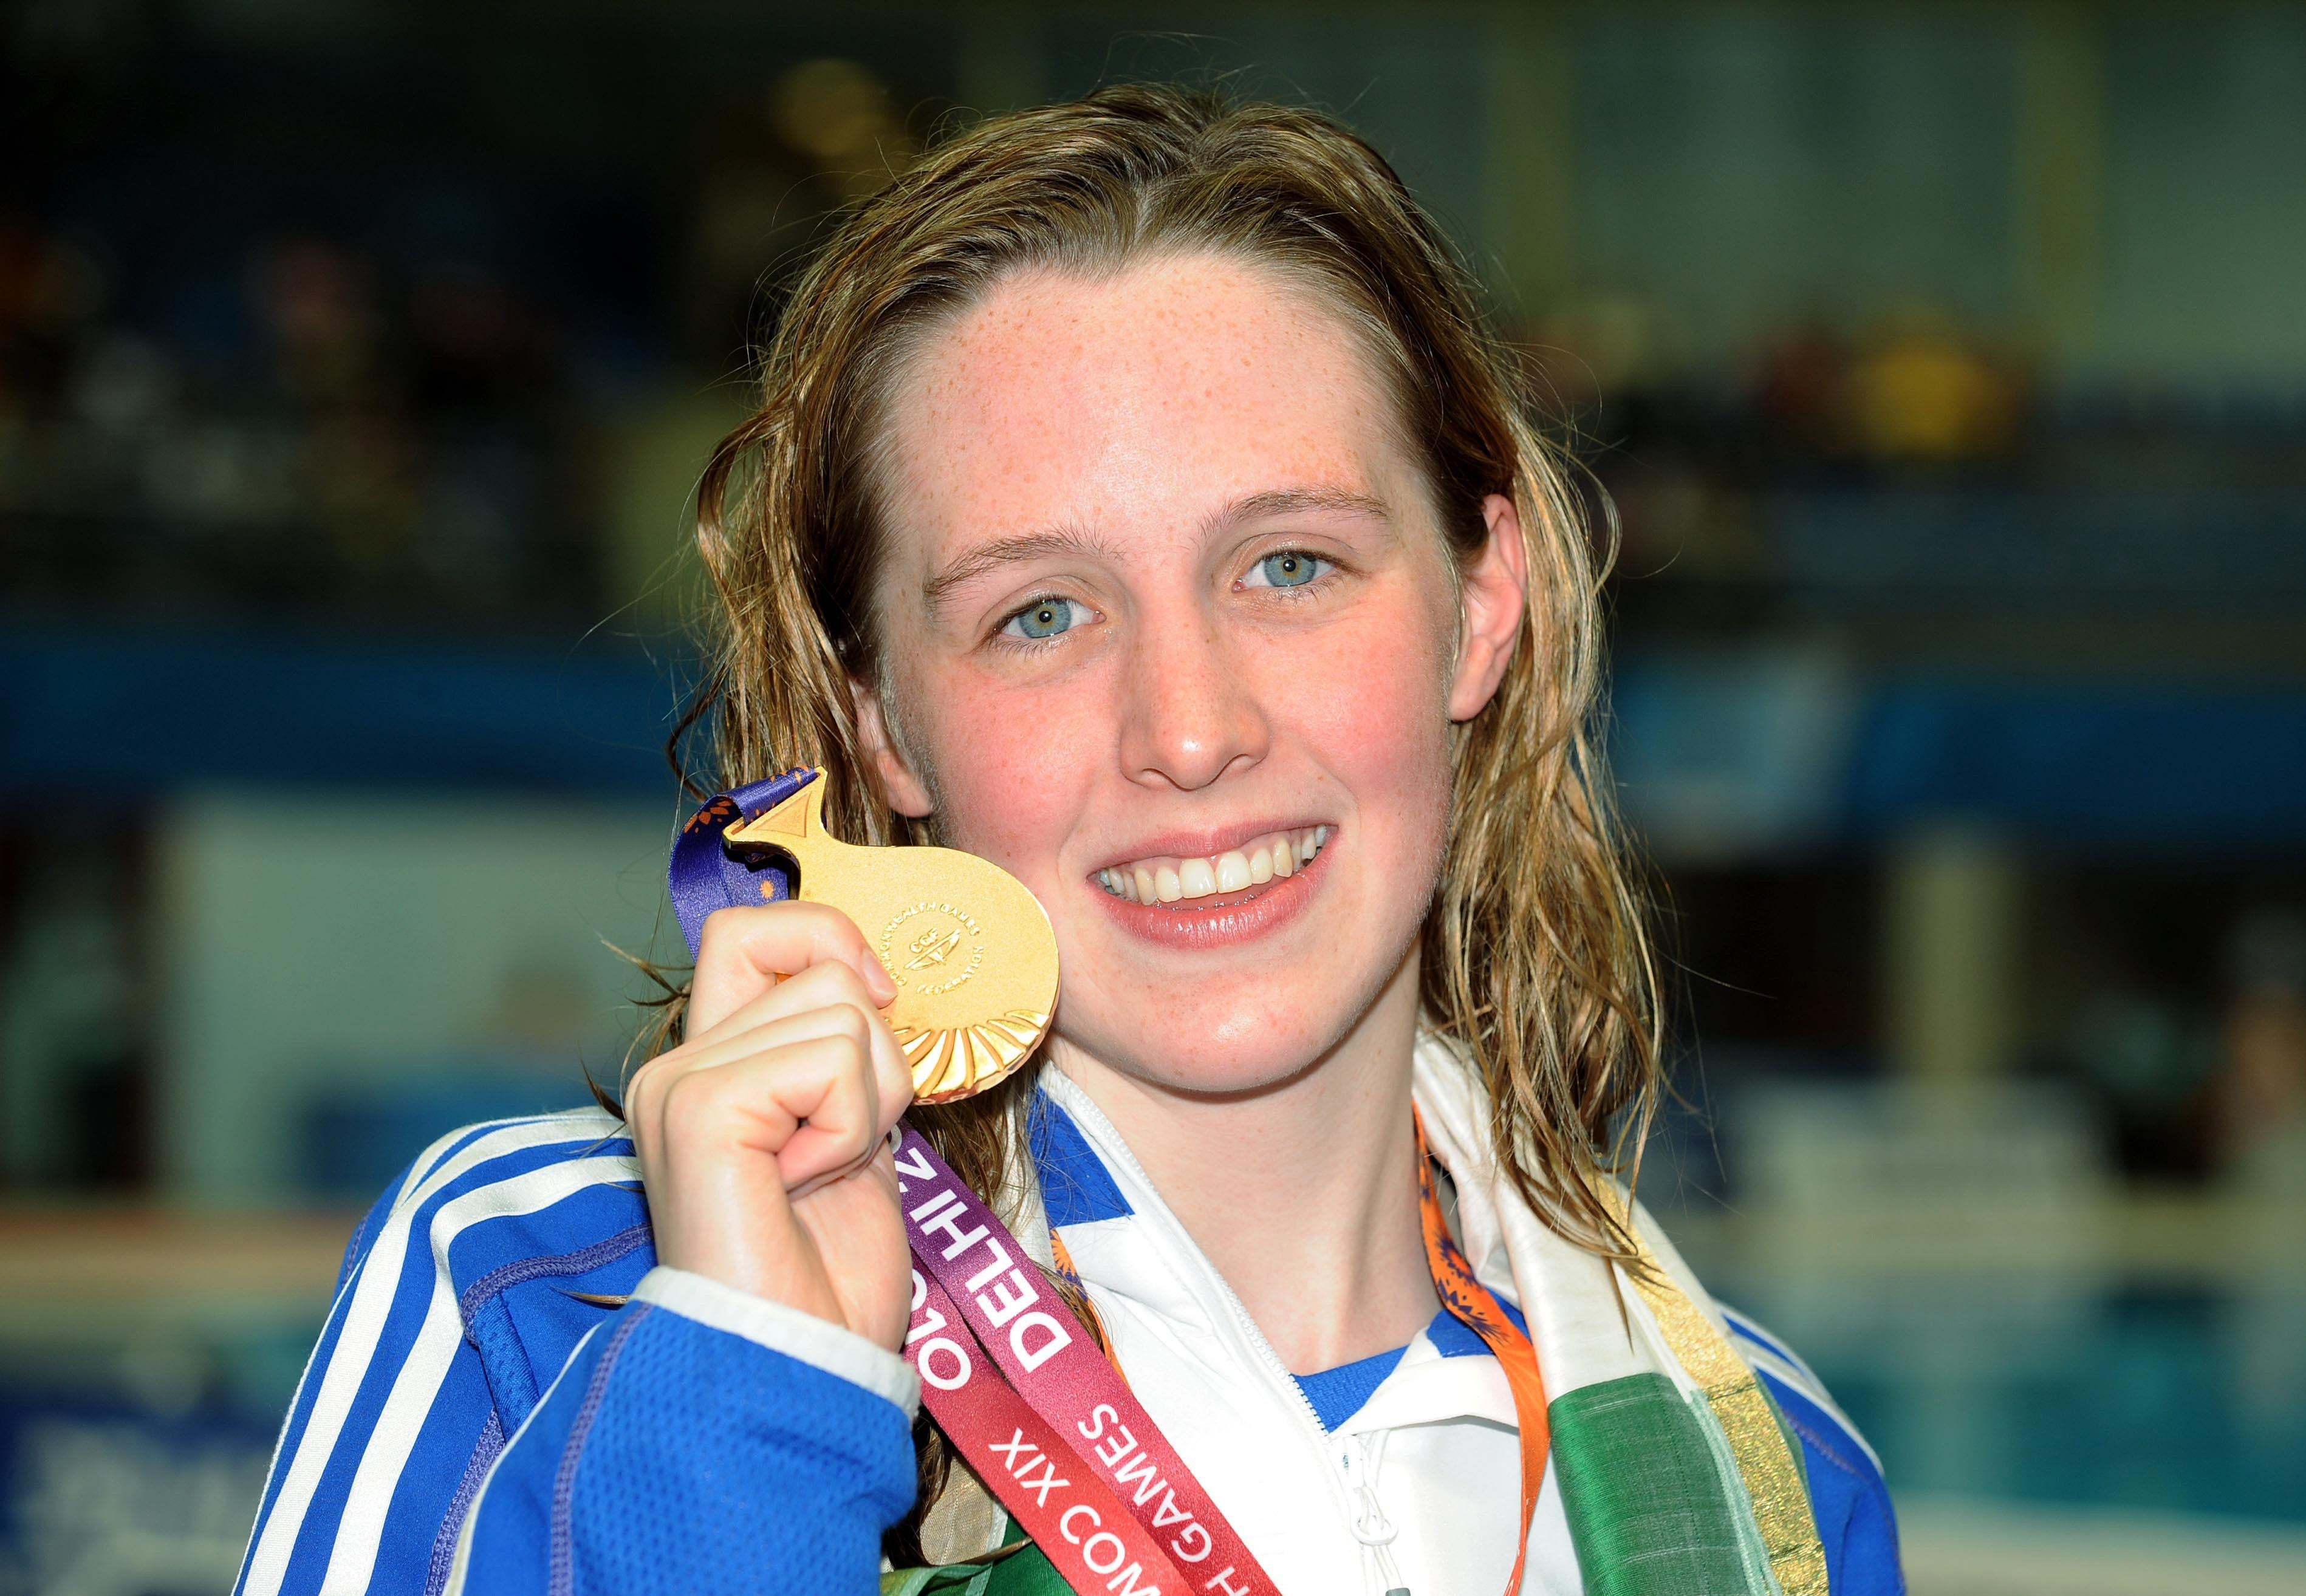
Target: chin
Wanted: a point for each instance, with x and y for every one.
(1239, 1052)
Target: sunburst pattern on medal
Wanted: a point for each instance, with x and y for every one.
(954, 1062)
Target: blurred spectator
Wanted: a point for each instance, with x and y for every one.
(2149, 1061)
(1599, 348)
(312, 302)
(73, 1020)
(2261, 1085)
(1921, 392)
(1804, 388)
(840, 116)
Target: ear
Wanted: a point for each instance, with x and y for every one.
(1493, 591)
(909, 795)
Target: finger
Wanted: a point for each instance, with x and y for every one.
(850, 1171)
(833, 982)
(647, 1093)
(841, 1138)
(808, 1103)
(834, 987)
(823, 985)
(861, 1028)
(743, 951)
(832, 1001)
(732, 1046)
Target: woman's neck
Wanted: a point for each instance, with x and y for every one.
(1304, 1197)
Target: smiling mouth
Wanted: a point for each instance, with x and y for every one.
(1167, 879)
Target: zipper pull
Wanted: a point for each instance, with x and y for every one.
(1371, 1527)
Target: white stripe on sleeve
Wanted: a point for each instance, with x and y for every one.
(366, 1308)
(361, 1530)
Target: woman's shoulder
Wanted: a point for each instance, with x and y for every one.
(1849, 1499)
(1788, 1376)
(544, 1194)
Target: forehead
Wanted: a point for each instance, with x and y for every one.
(1131, 403)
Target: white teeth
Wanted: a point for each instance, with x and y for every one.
(1280, 854)
(1232, 871)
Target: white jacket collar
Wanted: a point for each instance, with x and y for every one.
(1224, 1398)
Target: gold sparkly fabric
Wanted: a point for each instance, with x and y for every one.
(1773, 1474)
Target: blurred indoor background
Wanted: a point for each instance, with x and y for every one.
(1948, 366)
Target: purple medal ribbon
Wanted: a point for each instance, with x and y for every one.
(705, 875)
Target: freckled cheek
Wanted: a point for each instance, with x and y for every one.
(1370, 705)
(1014, 767)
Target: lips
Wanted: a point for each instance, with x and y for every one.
(1172, 878)
(1226, 917)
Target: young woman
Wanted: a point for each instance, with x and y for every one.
(1136, 501)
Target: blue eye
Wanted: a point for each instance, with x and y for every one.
(1043, 618)
(1292, 568)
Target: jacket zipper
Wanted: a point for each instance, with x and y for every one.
(1376, 1563)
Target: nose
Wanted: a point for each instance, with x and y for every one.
(1191, 713)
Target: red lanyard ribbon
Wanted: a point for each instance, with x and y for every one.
(1055, 1432)
(1080, 1525)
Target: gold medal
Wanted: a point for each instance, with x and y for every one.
(971, 949)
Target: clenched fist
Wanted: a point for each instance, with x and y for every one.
(764, 1137)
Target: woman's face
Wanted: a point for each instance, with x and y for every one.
(1164, 593)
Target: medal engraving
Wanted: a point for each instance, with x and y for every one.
(934, 960)
(971, 949)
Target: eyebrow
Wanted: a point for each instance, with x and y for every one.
(1071, 540)
(1007, 552)
(1292, 501)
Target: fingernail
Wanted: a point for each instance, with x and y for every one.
(879, 982)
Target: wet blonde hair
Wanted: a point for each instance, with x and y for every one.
(1536, 963)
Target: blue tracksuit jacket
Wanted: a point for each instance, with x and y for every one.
(476, 1418)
